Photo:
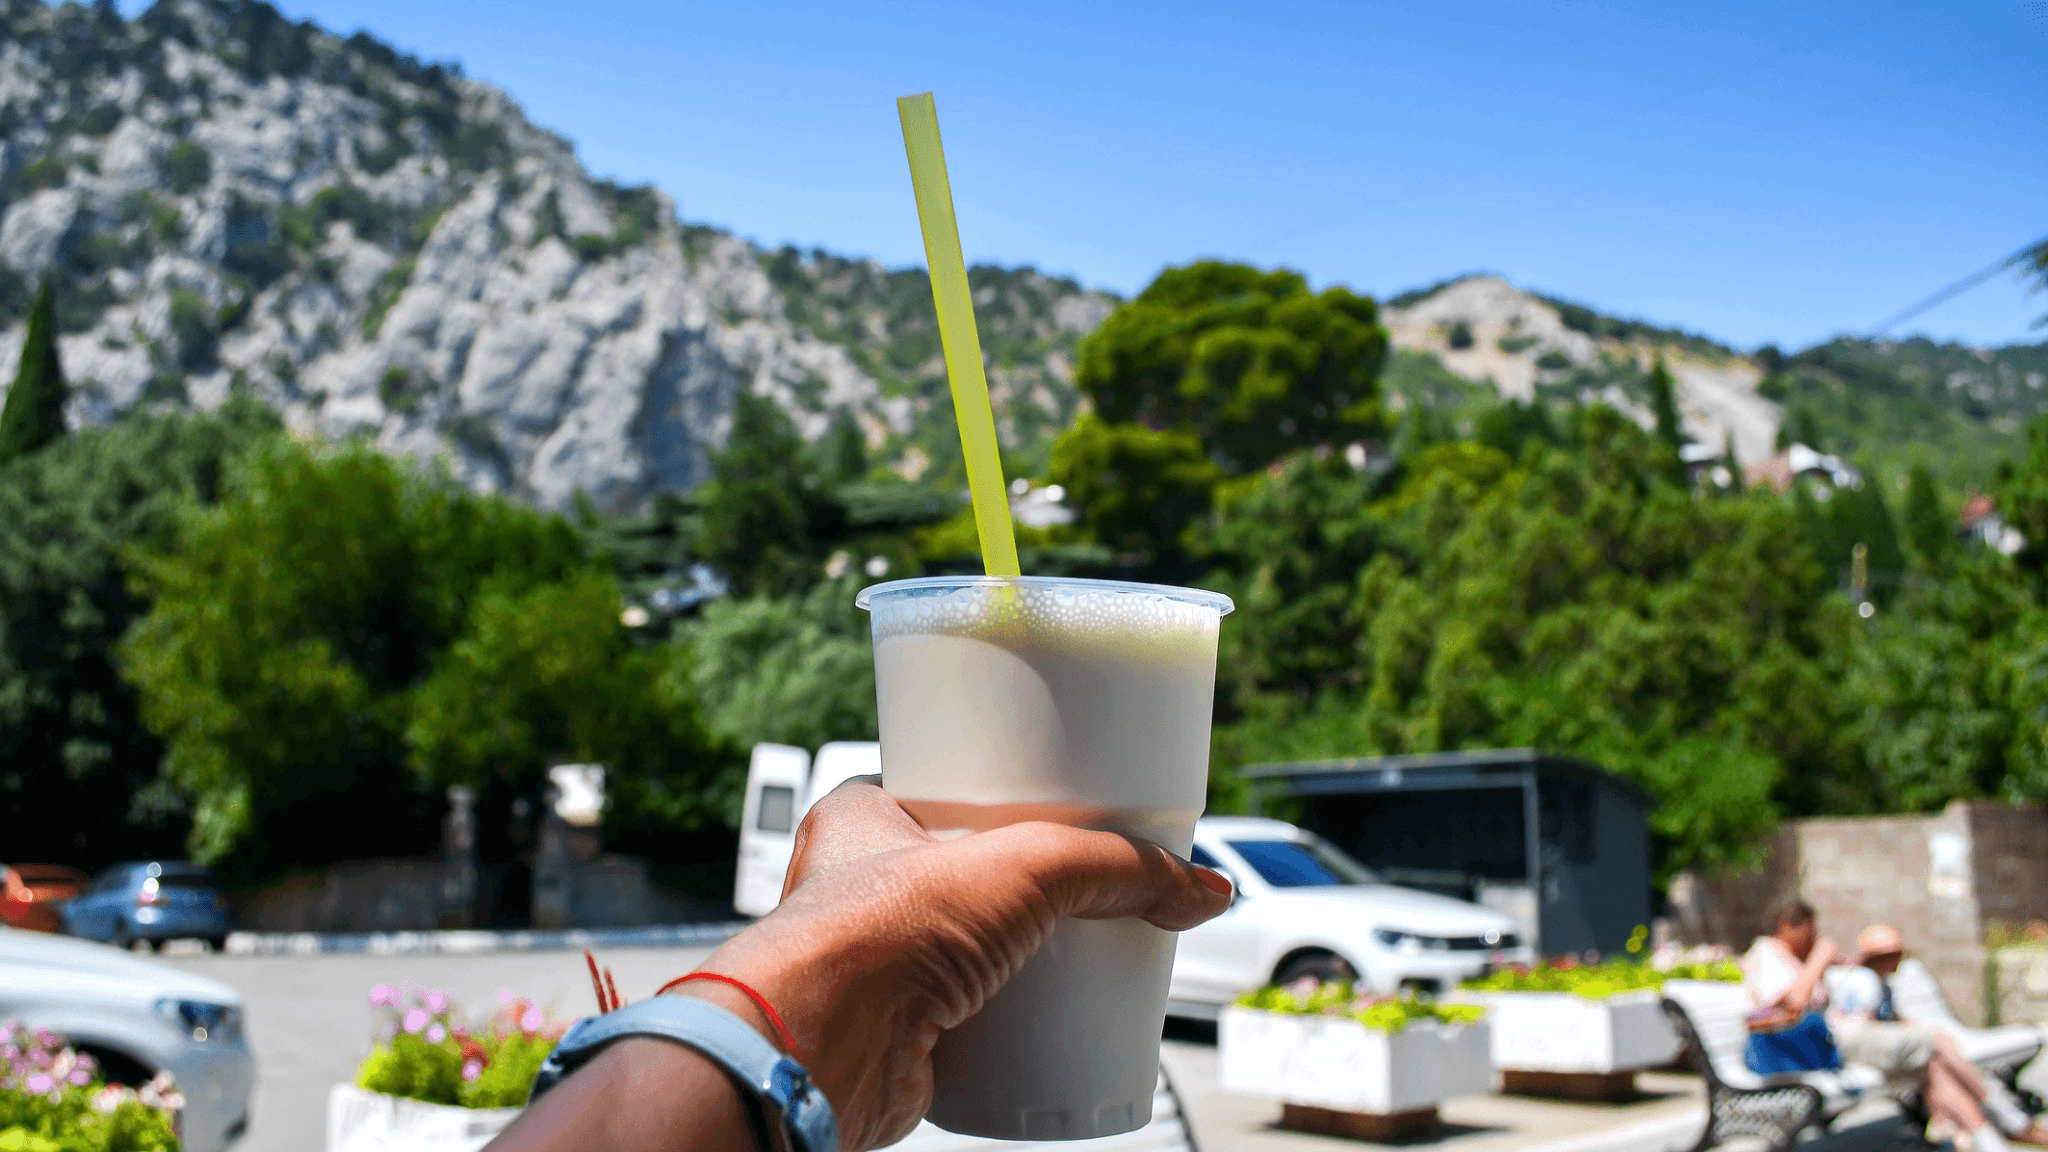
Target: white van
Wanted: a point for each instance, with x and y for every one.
(782, 784)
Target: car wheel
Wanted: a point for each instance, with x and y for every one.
(1326, 967)
(217, 943)
(122, 938)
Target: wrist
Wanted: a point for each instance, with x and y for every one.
(831, 986)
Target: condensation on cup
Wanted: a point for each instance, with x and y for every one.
(1085, 702)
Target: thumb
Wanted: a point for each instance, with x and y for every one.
(1102, 875)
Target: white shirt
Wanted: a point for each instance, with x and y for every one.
(1769, 971)
(1857, 991)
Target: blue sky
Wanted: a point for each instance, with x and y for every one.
(1758, 172)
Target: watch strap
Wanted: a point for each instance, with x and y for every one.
(793, 1102)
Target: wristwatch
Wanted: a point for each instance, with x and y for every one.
(777, 1091)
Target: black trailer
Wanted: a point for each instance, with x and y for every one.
(1556, 843)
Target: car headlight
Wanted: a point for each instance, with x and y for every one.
(218, 1023)
(1398, 941)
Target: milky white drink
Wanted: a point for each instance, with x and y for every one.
(1081, 701)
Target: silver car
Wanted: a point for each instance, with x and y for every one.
(137, 1018)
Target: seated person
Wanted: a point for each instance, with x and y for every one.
(1782, 974)
(1869, 1030)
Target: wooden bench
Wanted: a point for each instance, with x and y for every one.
(1708, 1016)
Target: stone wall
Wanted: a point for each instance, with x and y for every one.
(1943, 880)
(413, 895)
(2022, 985)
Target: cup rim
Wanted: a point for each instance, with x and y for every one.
(1202, 597)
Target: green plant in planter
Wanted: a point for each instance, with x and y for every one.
(430, 1054)
(2032, 934)
(1632, 973)
(1381, 1013)
(1592, 981)
(52, 1099)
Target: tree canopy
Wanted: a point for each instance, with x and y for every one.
(78, 768)
(1215, 370)
(1576, 601)
(341, 635)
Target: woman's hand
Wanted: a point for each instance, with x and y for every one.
(886, 938)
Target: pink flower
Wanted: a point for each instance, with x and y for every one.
(504, 995)
(436, 1002)
(383, 996)
(40, 1083)
(436, 1033)
(415, 1020)
(80, 1077)
(471, 1069)
(532, 1020)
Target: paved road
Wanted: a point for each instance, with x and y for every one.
(310, 1022)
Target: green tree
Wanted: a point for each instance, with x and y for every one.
(1944, 693)
(843, 452)
(1574, 600)
(78, 769)
(289, 628)
(2022, 493)
(765, 518)
(1214, 360)
(545, 674)
(1133, 483)
(1930, 530)
(34, 413)
(1251, 362)
(790, 670)
(1801, 426)
(1664, 405)
(1834, 526)
(2032, 263)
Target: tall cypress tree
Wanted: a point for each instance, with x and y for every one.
(1664, 405)
(34, 414)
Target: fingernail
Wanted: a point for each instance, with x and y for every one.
(1216, 881)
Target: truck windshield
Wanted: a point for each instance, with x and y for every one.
(1302, 863)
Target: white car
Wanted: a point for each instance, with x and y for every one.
(1304, 908)
(137, 1017)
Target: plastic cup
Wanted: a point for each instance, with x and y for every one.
(1086, 702)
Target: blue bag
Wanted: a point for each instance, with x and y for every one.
(1803, 1047)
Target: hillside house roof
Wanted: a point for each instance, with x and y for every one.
(1799, 460)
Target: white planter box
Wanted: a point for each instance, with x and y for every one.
(1331, 1062)
(1561, 1032)
(359, 1120)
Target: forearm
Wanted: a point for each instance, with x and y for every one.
(1800, 994)
(638, 1095)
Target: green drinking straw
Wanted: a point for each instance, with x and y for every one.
(956, 332)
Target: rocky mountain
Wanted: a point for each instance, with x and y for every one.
(228, 200)
(1483, 328)
(1888, 402)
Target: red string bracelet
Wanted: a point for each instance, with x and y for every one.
(597, 983)
(760, 1001)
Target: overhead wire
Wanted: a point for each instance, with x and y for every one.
(1959, 287)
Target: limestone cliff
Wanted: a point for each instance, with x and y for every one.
(230, 200)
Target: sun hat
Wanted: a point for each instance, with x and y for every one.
(1879, 940)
